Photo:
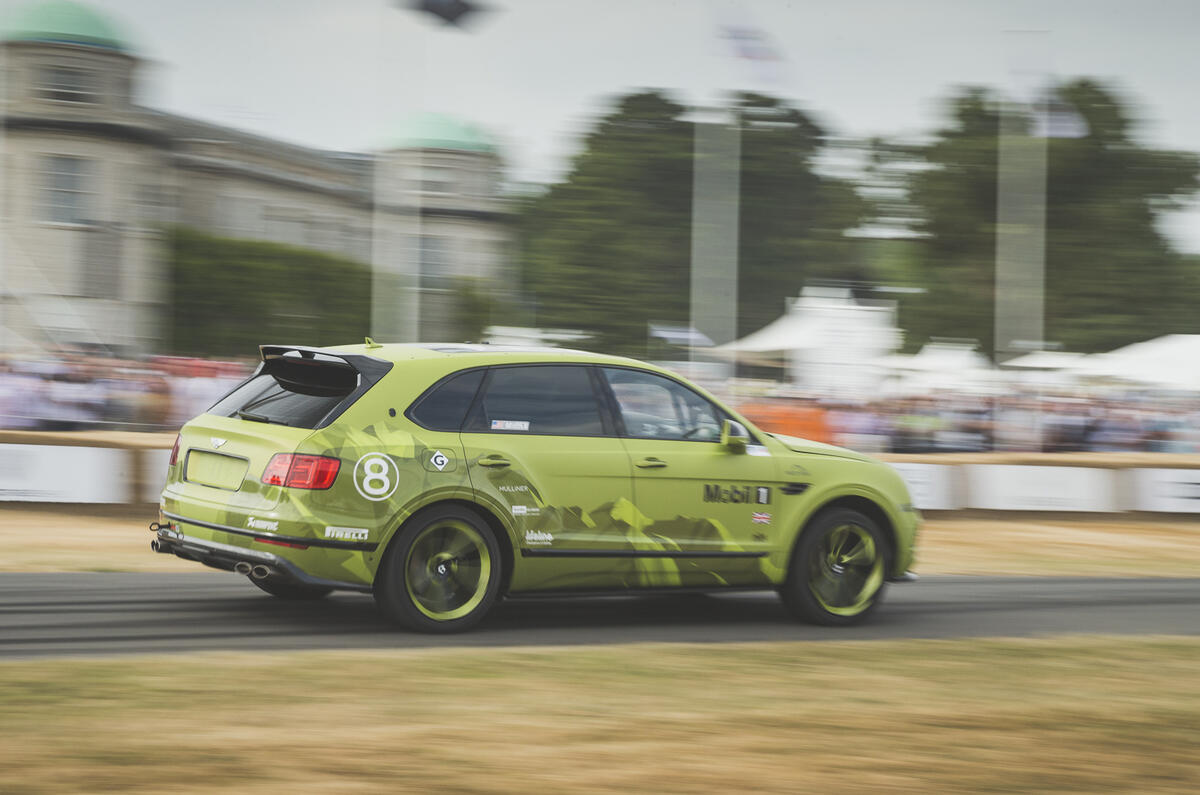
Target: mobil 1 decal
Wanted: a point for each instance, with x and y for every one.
(740, 495)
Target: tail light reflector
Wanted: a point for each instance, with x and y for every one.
(301, 471)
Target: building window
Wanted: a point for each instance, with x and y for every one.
(65, 84)
(100, 269)
(288, 230)
(66, 197)
(437, 179)
(435, 263)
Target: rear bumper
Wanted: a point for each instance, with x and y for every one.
(171, 541)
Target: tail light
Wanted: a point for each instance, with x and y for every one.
(301, 471)
(174, 453)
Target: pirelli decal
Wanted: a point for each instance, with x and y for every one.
(738, 495)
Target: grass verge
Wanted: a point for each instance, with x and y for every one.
(1082, 714)
(87, 538)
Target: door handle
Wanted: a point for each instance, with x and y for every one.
(494, 461)
(650, 463)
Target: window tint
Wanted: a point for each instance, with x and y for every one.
(654, 407)
(539, 399)
(295, 393)
(445, 408)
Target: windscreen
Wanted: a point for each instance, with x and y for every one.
(290, 391)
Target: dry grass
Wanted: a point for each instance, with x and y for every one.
(86, 538)
(1067, 715)
(81, 538)
(1103, 547)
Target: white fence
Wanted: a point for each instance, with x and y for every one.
(1034, 487)
(131, 468)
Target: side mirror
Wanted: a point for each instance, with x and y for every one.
(734, 436)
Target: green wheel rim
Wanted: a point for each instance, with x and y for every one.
(448, 570)
(846, 570)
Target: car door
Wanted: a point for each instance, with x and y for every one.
(540, 448)
(707, 505)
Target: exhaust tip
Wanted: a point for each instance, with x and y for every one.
(242, 567)
(260, 572)
(154, 545)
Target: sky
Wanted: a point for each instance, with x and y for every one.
(343, 74)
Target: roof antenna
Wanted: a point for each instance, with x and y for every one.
(370, 343)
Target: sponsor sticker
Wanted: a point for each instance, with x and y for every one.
(217, 441)
(510, 425)
(254, 523)
(760, 518)
(526, 510)
(715, 492)
(348, 533)
(514, 488)
(538, 538)
(439, 460)
(376, 476)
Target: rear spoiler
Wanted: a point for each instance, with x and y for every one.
(370, 368)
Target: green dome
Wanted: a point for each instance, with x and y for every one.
(439, 131)
(64, 22)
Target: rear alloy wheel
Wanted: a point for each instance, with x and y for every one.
(291, 591)
(441, 573)
(839, 569)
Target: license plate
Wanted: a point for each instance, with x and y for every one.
(216, 470)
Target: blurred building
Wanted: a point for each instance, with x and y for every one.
(92, 179)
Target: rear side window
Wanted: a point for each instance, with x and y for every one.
(295, 392)
(445, 406)
(554, 399)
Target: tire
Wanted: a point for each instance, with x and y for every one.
(441, 573)
(838, 572)
(291, 591)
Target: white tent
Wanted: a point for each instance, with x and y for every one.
(1168, 362)
(829, 341)
(940, 365)
(1045, 370)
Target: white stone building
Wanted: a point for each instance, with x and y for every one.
(91, 180)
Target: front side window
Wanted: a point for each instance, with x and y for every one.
(655, 407)
(66, 197)
(542, 399)
(66, 84)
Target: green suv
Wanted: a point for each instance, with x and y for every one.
(441, 478)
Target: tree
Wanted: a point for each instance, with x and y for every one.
(608, 249)
(1111, 277)
(229, 296)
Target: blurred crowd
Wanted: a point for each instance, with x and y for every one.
(83, 391)
(956, 423)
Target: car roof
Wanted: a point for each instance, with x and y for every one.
(459, 355)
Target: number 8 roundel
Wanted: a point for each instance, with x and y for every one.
(376, 476)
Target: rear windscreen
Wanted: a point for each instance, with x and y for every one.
(290, 391)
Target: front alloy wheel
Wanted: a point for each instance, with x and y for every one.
(441, 573)
(839, 569)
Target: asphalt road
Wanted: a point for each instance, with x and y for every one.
(71, 614)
